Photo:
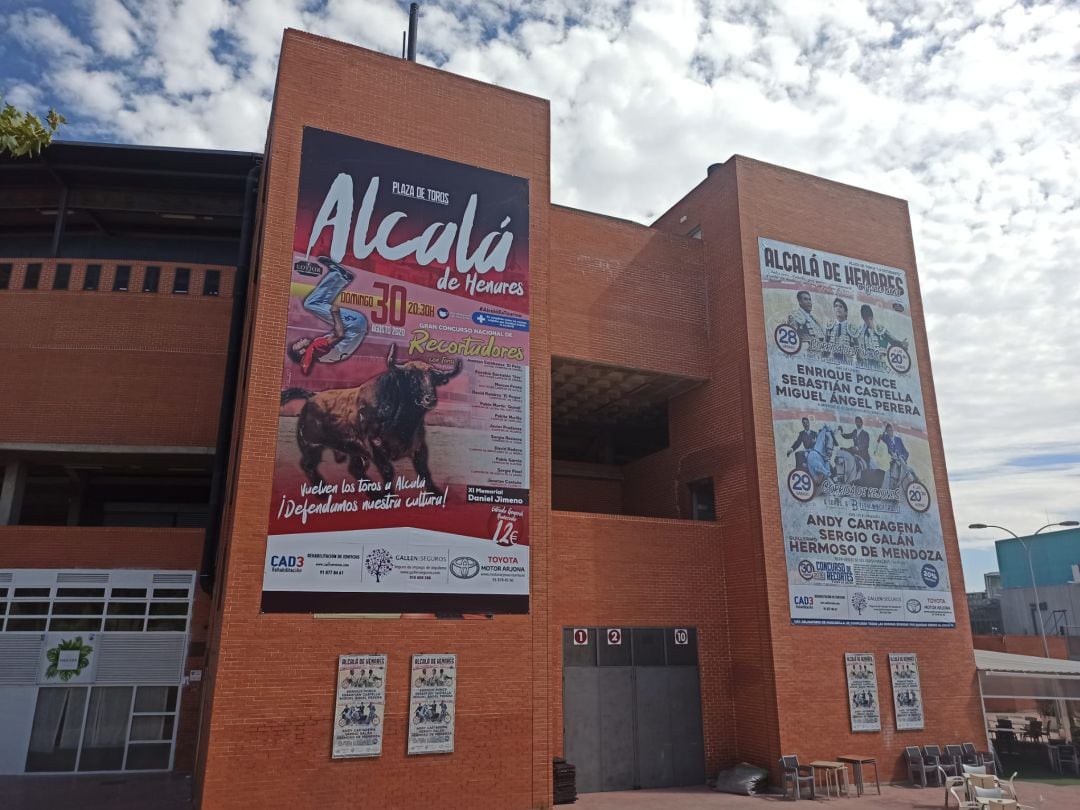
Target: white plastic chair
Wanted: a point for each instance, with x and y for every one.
(961, 802)
(950, 782)
(1002, 791)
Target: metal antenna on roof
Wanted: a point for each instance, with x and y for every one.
(414, 14)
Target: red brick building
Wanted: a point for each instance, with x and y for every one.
(655, 505)
(116, 293)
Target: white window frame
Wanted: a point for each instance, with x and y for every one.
(128, 742)
(48, 578)
(108, 579)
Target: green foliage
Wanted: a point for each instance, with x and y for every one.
(23, 133)
(53, 657)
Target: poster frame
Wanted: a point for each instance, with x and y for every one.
(914, 715)
(369, 697)
(428, 525)
(860, 670)
(443, 697)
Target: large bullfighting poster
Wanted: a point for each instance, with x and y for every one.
(862, 531)
(401, 481)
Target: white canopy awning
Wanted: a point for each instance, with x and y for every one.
(1007, 675)
(993, 661)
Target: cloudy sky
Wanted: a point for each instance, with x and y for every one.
(969, 110)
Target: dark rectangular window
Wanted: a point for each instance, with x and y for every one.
(122, 279)
(5, 275)
(648, 647)
(151, 279)
(33, 276)
(614, 647)
(579, 646)
(181, 280)
(22, 593)
(211, 282)
(93, 277)
(62, 278)
(681, 646)
(129, 593)
(702, 504)
(170, 593)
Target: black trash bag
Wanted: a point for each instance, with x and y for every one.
(742, 780)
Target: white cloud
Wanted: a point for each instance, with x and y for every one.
(969, 110)
(42, 31)
(114, 28)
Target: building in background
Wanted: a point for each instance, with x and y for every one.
(984, 607)
(1055, 561)
(668, 554)
(116, 298)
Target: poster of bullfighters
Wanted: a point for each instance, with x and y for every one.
(854, 459)
(401, 479)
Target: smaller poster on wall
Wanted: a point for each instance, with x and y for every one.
(907, 691)
(67, 658)
(862, 692)
(431, 704)
(359, 709)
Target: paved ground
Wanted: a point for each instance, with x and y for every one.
(1036, 794)
(156, 791)
(173, 792)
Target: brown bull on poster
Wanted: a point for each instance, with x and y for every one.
(379, 421)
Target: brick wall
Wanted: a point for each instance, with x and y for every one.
(100, 547)
(712, 430)
(626, 294)
(793, 207)
(576, 494)
(631, 571)
(273, 675)
(1024, 645)
(105, 367)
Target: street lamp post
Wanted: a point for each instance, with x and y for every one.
(1031, 569)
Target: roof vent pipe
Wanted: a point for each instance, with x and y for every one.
(414, 13)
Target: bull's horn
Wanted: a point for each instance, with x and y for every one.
(390, 361)
(449, 374)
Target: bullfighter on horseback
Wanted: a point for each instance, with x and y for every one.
(860, 440)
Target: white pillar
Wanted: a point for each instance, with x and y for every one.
(11, 491)
(1063, 717)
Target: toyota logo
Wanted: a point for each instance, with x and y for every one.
(464, 567)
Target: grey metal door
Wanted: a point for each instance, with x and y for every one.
(654, 744)
(616, 701)
(581, 725)
(632, 709)
(687, 736)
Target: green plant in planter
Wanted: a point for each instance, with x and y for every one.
(67, 645)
